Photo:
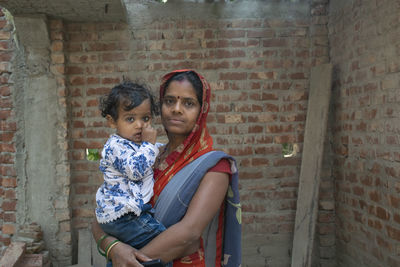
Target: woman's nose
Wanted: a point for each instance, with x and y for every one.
(177, 106)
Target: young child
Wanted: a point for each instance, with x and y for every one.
(122, 200)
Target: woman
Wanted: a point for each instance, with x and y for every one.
(185, 100)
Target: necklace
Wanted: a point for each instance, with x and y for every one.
(162, 156)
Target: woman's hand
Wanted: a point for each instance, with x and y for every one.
(123, 255)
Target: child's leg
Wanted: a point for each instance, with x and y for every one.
(133, 230)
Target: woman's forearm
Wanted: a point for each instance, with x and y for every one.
(174, 243)
(97, 231)
(182, 238)
(178, 241)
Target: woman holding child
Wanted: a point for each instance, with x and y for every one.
(195, 190)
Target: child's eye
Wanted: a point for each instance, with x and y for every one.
(146, 119)
(130, 119)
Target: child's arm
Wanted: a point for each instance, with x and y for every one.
(128, 159)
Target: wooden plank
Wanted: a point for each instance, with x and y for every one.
(308, 193)
(97, 259)
(84, 247)
(13, 254)
(31, 260)
(88, 255)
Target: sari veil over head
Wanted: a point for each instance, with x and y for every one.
(223, 244)
(195, 145)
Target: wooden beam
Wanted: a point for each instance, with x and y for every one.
(13, 254)
(314, 137)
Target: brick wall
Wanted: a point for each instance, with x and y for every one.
(259, 71)
(8, 128)
(365, 44)
(96, 59)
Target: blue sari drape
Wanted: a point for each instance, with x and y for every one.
(174, 200)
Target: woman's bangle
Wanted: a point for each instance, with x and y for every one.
(99, 244)
(110, 246)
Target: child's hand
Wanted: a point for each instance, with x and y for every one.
(149, 134)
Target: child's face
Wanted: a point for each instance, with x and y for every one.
(130, 123)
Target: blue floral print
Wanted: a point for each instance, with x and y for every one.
(128, 178)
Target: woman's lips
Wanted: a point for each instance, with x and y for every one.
(175, 121)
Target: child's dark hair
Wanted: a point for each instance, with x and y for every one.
(191, 77)
(129, 95)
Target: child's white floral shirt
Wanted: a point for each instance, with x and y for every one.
(128, 178)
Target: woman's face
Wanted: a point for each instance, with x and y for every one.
(180, 108)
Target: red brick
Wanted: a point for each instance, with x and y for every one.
(82, 213)
(6, 136)
(85, 189)
(9, 205)
(232, 34)
(287, 162)
(357, 190)
(5, 91)
(260, 161)
(375, 224)
(255, 129)
(9, 217)
(101, 90)
(264, 33)
(110, 80)
(382, 213)
(116, 56)
(57, 69)
(10, 194)
(275, 42)
(5, 114)
(233, 76)
(77, 80)
(7, 147)
(6, 159)
(7, 171)
(57, 46)
(393, 233)
(4, 45)
(375, 196)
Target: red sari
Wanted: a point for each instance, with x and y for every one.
(196, 144)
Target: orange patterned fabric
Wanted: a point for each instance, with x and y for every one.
(196, 144)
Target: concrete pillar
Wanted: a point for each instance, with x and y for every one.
(41, 122)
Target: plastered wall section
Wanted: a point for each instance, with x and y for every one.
(40, 161)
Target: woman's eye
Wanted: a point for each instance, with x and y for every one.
(189, 104)
(168, 101)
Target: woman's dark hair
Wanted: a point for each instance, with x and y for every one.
(129, 95)
(191, 77)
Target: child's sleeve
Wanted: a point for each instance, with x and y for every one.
(133, 161)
